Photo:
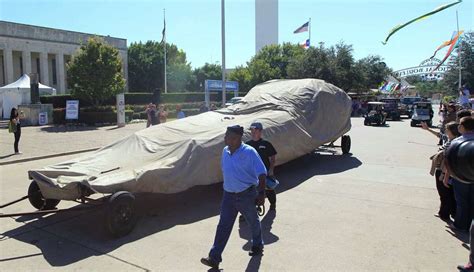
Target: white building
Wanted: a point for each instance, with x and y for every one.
(26, 49)
(266, 23)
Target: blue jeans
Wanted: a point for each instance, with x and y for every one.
(464, 194)
(233, 203)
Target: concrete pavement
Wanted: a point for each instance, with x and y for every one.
(372, 211)
(50, 141)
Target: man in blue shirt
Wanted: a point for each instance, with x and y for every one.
(244, 187)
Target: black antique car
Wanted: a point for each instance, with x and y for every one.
(392, 108)
(376, 114)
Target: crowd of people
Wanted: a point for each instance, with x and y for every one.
(456, 195)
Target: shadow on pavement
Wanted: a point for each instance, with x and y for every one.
(62, 129)
(160, 212)
(7, 156)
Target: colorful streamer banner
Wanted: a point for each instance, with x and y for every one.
(448, 43)
(398, 27)
(450, 50)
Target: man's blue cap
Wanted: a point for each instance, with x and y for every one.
(256, 125)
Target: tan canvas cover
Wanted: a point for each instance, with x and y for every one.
(298, 116)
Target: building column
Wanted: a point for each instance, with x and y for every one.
(8, 57)
(26, 57)
(60, 73)
(44, 71)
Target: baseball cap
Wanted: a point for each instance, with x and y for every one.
(236, 129)
(256, 125)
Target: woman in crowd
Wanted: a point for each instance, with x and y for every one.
(163, 114)
(15, 128)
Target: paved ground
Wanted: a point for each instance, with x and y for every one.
(51, 140)
(371, 211)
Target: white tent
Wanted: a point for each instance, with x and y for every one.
(18, 93)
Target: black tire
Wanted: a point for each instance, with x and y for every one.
(413, 124)
(345, 144)
(378, 123)
(120, 215)
(366, 123)
(429, 123)
(38, 201)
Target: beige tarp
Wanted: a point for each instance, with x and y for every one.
(298, 116)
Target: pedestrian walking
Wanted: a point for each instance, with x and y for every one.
(267, 153)
(14, 126)
(244, 187)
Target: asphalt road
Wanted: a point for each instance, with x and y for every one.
(369, 211)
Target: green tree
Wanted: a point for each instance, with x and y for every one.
(95, 72)
(242, 75)
(146, 68)
(451, 77)
(371, 71)
(200, 74)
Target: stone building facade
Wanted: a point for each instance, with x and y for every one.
(26, 49)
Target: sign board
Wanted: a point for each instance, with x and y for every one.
(216, 85)
(72, 109)
(425, 70)
(120, 110)
(43, 118)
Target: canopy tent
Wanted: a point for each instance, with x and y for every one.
(18, 93)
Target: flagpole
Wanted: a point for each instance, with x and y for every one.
(164, 46)
(459, 52)
(223, 52)
(309, 31)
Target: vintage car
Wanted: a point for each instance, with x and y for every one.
(376, 114)
(298, 116)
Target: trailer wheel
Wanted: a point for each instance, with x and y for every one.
(345, 144)
(120, 215)
(38, 201)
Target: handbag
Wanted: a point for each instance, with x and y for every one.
(11, 127)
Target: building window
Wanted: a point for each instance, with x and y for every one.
(53, 66)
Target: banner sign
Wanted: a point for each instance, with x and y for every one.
(424, 70)
(216, 85)
(72, 109)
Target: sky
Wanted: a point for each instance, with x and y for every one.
(195, 25)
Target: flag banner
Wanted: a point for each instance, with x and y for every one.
(302, 28)
(448, 43)
(163, 33)
(305, 44)
(398, 27)
(455, 43)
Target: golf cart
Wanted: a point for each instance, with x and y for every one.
(422, 112)
(392, 108)
(376, 114)
(407, 102)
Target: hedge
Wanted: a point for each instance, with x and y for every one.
(59, 101)
(90, 117)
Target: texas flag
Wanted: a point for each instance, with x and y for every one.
(302, 28)
(305, 44)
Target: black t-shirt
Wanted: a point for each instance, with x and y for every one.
(265, 149)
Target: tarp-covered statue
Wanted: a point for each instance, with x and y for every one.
(18, 93)
(298, 116)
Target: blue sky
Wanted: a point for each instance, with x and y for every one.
(194, 25)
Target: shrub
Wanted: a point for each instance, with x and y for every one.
(86, 116)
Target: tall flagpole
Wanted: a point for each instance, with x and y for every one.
(459, 53)
(309, 30)
(164, 46)
(223, 52)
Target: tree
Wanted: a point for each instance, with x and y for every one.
(146, 68)
(371, 71)
(200, 74)
(451, 77)
(95, 72)
(242, 75)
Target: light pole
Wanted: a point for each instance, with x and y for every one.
(223, 51)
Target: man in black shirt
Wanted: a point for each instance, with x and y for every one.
(267, 153)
